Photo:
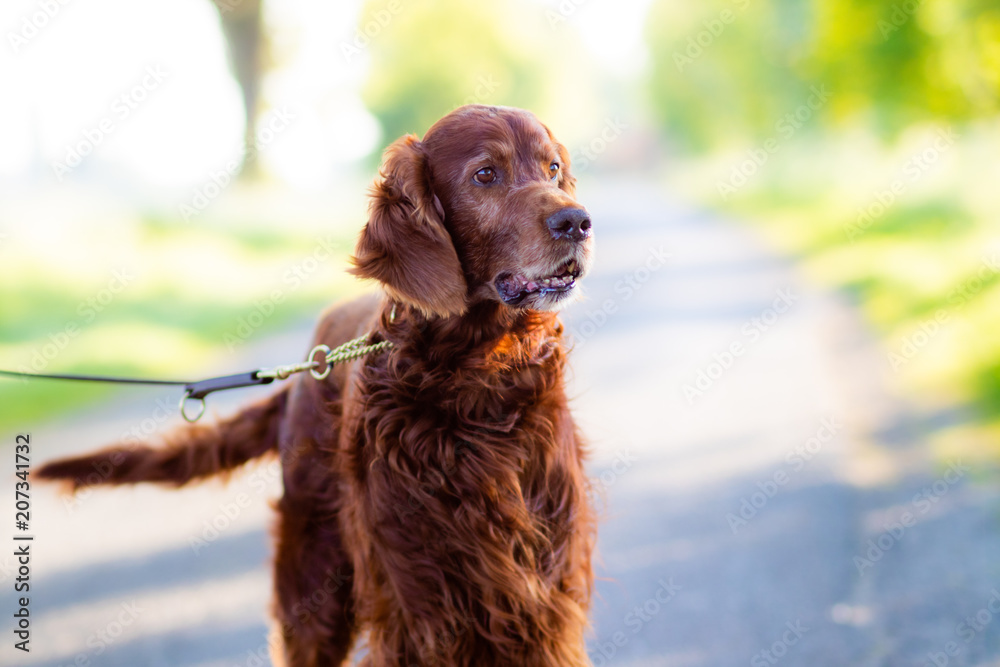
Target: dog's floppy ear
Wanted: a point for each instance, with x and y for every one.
(405, 245)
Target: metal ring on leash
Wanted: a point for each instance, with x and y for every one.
(327, 366)
(183, 406)
(349, 351)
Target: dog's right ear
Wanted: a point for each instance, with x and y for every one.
(405, 245)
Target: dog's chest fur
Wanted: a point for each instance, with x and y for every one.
(463, 470)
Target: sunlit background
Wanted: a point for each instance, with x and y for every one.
(181, 180)
(124, 135)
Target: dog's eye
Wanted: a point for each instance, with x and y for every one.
(486, 175)
(554, 170)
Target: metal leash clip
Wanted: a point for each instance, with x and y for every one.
(199, 390)
(318, 367)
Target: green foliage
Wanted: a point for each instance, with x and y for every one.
(433, 57)
(987, 382)
(29, 403)
(165, 322)
(939, 220)
(726, 71)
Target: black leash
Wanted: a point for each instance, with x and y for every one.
(199, 389)
(319, 368)
(90, 378)
(192, 390)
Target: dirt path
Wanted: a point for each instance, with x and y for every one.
(767, 501)
(756, 483)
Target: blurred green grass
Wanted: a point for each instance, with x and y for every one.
(192, 298)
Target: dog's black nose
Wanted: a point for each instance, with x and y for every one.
(569, 223)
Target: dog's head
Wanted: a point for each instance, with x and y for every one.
(482, 209)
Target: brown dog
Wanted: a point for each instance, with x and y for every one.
(442, 480)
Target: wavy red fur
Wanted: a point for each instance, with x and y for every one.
(434, 495)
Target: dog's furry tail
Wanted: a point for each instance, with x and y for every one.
(188, 453)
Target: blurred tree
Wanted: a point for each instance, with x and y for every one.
(730, 70)
(725, 71)
(897, 62)
(430, 58)
(241, 26)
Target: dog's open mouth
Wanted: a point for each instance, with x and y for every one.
(514, 288)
